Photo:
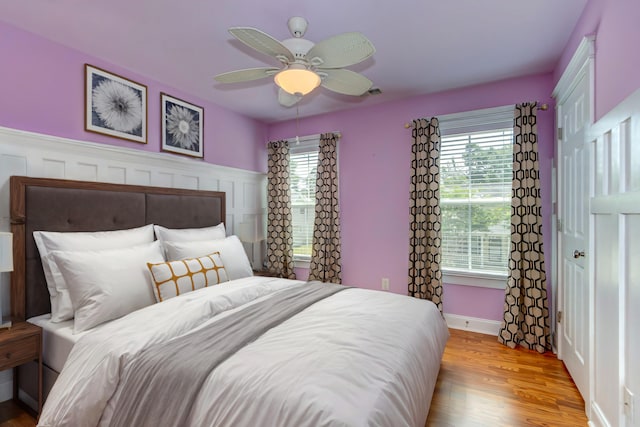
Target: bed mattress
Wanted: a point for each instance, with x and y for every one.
(57, 340)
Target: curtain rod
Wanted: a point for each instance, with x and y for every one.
(543, 107)
(315, 136)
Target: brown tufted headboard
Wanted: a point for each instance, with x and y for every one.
(64, 205)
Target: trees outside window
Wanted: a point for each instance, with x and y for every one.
(475, 201)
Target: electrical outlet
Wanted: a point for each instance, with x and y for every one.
(628, 404)
(385, 284)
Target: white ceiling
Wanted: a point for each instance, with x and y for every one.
(422, 46)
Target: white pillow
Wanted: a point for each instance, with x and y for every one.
(231, 251)
(105, 285)
(190, 234)
(49, 241)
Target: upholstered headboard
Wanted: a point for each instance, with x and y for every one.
(64, 205)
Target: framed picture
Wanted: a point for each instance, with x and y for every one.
(182, 126)
(114, 105)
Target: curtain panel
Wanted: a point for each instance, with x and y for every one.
(526, 312)
(425, 274)
(279, 216)
(326, 265)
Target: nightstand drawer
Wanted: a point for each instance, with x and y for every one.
(12, 355)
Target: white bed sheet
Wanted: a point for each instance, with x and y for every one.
(57, 340)
(357, 358)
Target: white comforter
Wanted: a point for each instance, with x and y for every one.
(357, 358)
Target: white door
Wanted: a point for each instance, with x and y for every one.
(573, 205)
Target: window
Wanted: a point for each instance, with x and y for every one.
(475, 196)
(303, 164)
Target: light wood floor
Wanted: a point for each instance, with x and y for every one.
(481, 383)
(11, 415)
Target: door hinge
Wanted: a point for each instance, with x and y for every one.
(559, 316)
(559, 225)
(560, 134)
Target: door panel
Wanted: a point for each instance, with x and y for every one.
(573, 292)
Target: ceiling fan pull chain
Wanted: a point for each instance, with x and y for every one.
(297, 128)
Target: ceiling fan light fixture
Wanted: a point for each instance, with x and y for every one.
(297, 81)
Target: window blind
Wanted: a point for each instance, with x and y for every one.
(303, 165)
(475, 201)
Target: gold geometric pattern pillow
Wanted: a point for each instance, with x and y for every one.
(173, 278)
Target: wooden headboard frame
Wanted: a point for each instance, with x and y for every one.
(187, 208)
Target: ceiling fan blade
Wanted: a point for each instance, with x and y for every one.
(286, 99)
(345, 82)
(246, 75)
(340, 51)
(262, 42)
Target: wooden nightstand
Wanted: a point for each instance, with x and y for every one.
(20, 344)
(265, 273)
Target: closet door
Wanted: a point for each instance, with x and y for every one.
(574, 303)
(573, 290)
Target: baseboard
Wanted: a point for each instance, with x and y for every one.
(473, 324)
(597, 418)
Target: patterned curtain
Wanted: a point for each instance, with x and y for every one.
(425, 276)
(526, 313)
(279, 228)
(325, 263)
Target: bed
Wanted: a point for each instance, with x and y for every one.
(347, 357)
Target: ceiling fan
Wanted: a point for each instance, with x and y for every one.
(305, 65)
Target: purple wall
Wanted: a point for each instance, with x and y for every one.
(375, 152)
(616, 24)
(42, 90)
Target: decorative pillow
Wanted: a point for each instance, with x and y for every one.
(173, 278)
(190, 234)
(231, 251)
(105, 285)
(49, 241)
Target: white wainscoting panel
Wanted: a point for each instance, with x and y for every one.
(38, 155)
(615, 212)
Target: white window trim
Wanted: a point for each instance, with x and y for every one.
(480, 280)
(301, 262)
(476, 120)
(467, 122)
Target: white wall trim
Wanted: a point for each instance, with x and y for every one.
(473, 324)
(583, 55)
(476, 120)
(597, 417)
(40, 155)
(614, 250)
(477, 280)
(80, 147)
